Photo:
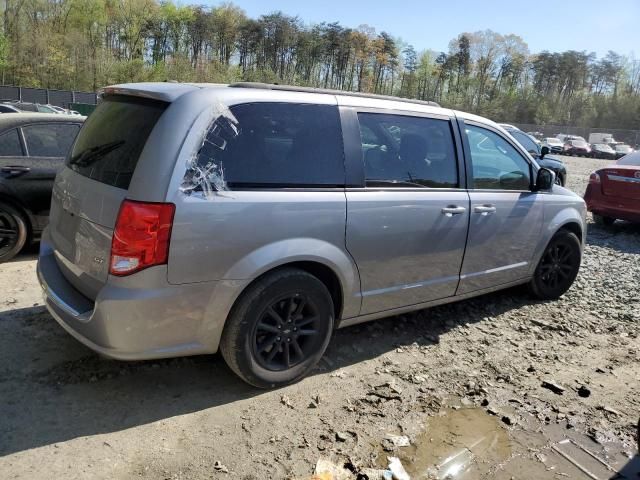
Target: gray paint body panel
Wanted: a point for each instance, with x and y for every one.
(396, 242)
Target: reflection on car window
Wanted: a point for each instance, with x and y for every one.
(496, 164)
(10, 144)
(49, 140)
(525, 140)
(407, 151)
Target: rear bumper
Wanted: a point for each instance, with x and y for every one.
(136, 318)
(611, 206)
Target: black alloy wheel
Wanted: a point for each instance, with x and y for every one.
(287, 333)
(279, 328)
(558, 266)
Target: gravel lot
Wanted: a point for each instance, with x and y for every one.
(463, 379)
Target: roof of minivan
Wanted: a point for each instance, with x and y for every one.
(171, 91)
(8, 120)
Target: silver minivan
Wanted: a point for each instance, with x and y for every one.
(256, 219)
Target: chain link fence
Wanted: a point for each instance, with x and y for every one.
(59, 98)
(630, 137)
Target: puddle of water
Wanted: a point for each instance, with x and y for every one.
(458, 444)
(469, 444)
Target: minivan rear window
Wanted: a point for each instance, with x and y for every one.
(110, 142)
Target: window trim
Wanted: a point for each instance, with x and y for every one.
(533, 169)
(354, 159)
(20, 139)
(23, 138)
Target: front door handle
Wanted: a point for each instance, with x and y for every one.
(452, 210)
(14, 171)
(484, 209)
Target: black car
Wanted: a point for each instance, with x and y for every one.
(540, 154)
(602, 150)
(621, 150)
(32, 151)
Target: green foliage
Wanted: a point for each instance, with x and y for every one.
(86, 44)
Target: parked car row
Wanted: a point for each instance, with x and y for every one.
(15, 106)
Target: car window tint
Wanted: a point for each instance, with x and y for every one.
(276, 145)
(5, 109)
(10, 144)
(113, 137)
(397, 148)
(49, 140)
(525, 140)
(496, 164)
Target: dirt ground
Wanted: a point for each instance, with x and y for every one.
(496, 387)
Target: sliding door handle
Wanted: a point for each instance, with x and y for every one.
(452, 210)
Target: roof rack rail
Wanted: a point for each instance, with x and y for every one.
(329, 91)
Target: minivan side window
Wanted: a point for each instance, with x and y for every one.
(402, 150)
(10, 144)
(276, 145)
(49, 140)
(496, 164)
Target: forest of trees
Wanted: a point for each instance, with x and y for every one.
(87, 44)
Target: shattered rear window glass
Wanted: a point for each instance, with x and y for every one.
(269, 145)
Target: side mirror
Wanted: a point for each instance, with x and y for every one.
(544, 151)
(545, 180)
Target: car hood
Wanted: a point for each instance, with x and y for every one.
(551, 162)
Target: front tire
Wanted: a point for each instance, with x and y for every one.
(558, 267)
(279, 329)
(13, 232)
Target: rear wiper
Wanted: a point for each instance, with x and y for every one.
(93, 154)
(397, 183)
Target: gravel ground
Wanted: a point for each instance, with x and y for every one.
(499, 381)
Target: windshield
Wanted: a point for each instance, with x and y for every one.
(631, 159)
(526, 141)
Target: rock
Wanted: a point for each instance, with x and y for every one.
(554, 387)
(484, 402)
(218, 466)
(338, 374)
(610, 410)
(327, 470)
(285, 400)
(507, 420)
(584, 392)
(342, 436)
(395, 441)
(531, 369)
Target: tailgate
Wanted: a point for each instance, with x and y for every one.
(88, 192)
(621, 182)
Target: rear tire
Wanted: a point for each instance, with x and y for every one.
(602, 220)
(558, 267)
(278, 329)
(13, 232)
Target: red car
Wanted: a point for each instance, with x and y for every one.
(614, 191)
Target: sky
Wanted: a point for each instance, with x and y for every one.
(591, 25)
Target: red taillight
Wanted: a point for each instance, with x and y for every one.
(141, 236)
(594, 177)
